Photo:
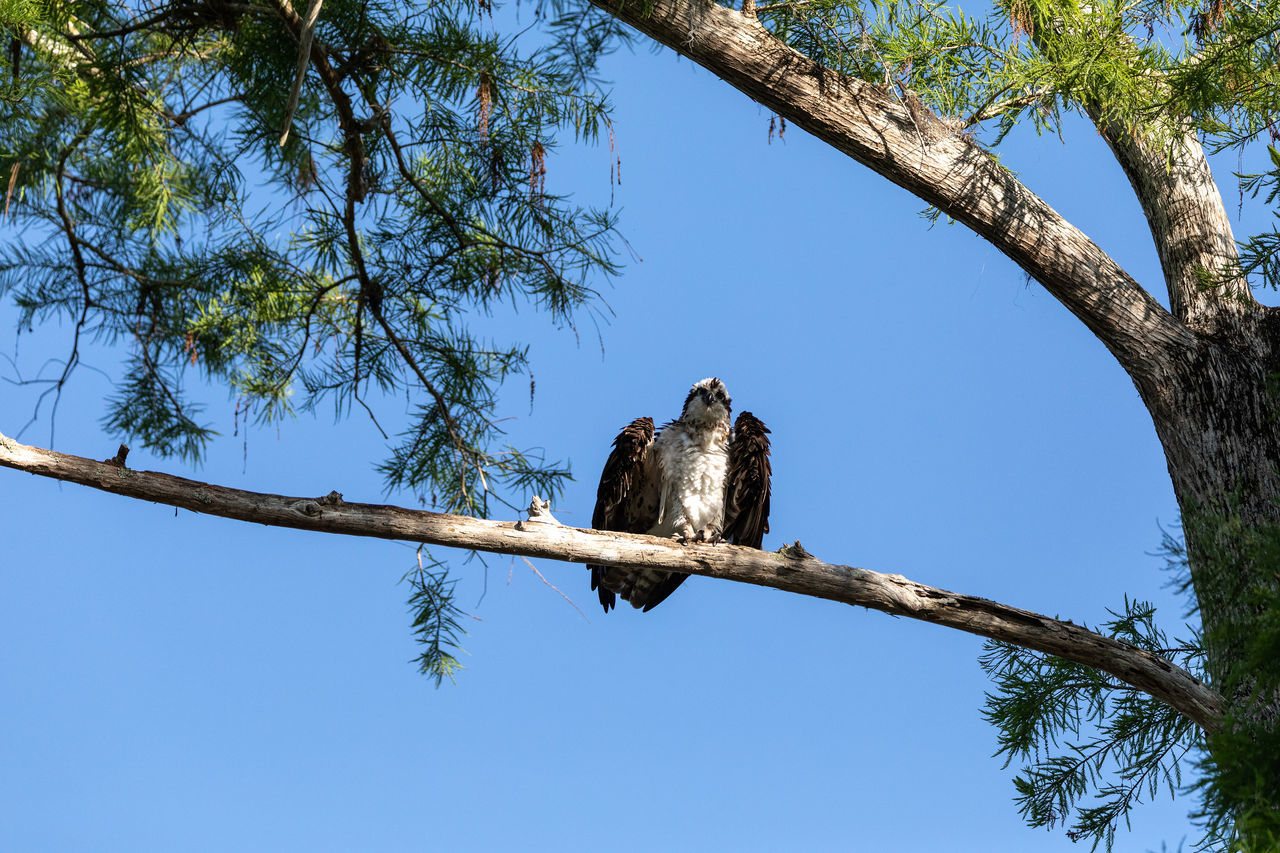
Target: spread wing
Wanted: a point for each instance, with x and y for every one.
(746, 505)
(620, 500)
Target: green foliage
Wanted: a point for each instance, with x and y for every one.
(1091, 746)
(155, 206)
(435, 619)
(15, 13)
(347, 266)
(1260, 254)
(1153, 69)
(1154, 73)
(1149, 66)
(1237, 570)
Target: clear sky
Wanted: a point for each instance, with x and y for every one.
(175, 682)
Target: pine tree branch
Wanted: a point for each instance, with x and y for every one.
(791, 569)
(910, 146)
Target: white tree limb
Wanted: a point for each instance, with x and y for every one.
(791, 569)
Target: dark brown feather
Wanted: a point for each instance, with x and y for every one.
(746, 505)
(663, 589)
(620, 484)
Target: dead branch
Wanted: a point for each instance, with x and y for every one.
(791, 569)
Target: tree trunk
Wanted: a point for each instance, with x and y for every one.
(1216, 416)
(1212, 403)
(1215, 410)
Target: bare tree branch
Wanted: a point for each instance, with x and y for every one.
(912, 147)
(791, 569)
(1192, 231)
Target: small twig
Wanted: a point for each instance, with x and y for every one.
(78, 258)
(369, 411)
(181, 118)
(992, 108)
(553, 586)
(13, 180)
(127, 29)
(450, 424)
(780, 6)
(353, 141)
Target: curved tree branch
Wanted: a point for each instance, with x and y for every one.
(791, 569)
(1187, 218)
(912, 147)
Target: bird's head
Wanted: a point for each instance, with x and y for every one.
(708, 401)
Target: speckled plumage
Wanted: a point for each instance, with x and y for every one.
(676, 483)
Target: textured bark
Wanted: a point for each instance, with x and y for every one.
(1190, 228)
(1212, 406)
(1166, 166)
(1216, 417)
(912, 147)
(791, 569)
(1214, 410)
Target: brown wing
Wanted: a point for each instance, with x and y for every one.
(661, 590)
(621, 487)
(746, 504)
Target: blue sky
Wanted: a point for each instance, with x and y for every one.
(183, 683)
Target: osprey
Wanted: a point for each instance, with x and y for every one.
(695, 480)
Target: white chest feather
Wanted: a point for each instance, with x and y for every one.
(694, 463)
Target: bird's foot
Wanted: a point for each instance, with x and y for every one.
(685, 534)
(711, 535)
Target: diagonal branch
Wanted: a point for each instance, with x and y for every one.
(916, 150)
(351, 127)
(791, 569)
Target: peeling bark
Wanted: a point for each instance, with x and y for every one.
(791, 569)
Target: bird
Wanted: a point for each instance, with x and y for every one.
(696, 480)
